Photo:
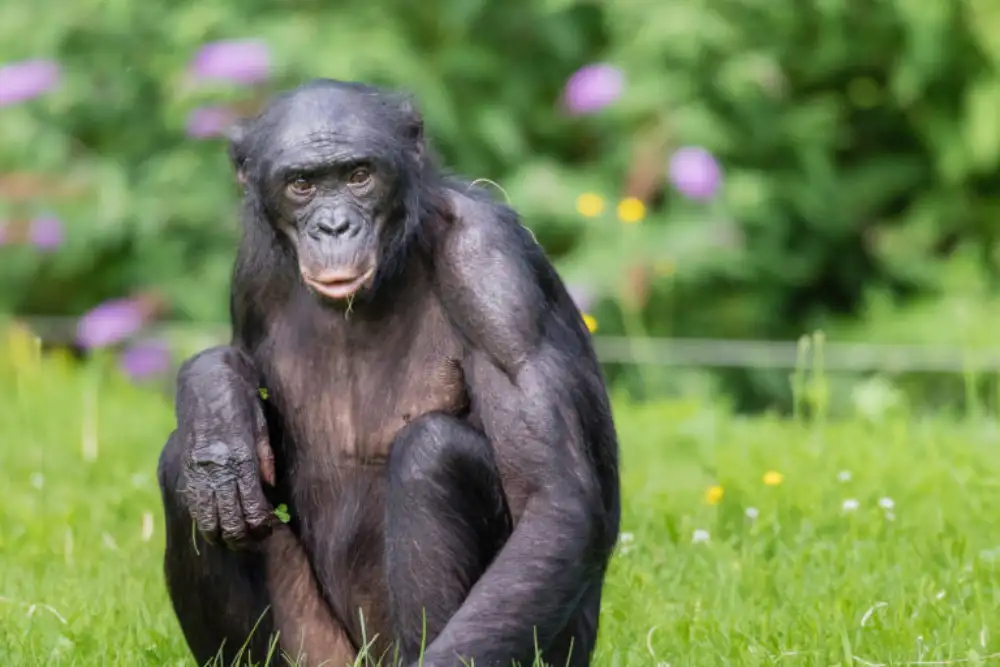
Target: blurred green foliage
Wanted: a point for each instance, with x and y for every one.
(860, 141)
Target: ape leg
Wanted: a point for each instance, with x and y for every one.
(218, 595)
(447, 518)
(574, 646)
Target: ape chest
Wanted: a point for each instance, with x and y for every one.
(349, 408)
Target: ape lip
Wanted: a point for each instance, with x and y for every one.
(338, 285)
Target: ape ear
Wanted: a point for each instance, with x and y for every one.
(414, 126)
(237, 134)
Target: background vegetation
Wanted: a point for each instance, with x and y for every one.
(732, 169)
(858, 142)
(763, 541)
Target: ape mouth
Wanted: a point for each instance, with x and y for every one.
(338, 284)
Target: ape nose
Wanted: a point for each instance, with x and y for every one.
(333, 228)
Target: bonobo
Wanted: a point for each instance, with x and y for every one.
(408, 375)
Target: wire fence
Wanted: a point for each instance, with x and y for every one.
(675, 352)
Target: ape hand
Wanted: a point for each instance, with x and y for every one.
(227, 454)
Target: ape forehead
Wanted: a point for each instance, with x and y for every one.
(329, 123)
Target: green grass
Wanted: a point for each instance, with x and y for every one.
(805, 583)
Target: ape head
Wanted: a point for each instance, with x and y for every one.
(337, 171)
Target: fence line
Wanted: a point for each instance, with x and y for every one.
(675, 352)
(837, 356)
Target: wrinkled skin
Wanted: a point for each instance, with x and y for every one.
(436, 419)
(228, 455)
(330, 182)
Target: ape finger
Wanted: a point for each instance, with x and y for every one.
(256, 509)
(265, 460)
(232, 523)
(201, 505)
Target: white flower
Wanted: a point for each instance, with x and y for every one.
(844, 475)
(752, 513)
(889, 516)
(699, 536)
(886, 503)
(626, 538)
(37, 480)
(850, 505)
(147, 526)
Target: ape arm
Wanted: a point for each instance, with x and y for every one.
(533, 376)
(224, 433)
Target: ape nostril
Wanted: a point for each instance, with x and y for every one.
(333, 228)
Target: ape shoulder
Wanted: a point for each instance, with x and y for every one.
(491, 279)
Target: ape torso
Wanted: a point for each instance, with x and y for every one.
(344, 405)
(333, 417)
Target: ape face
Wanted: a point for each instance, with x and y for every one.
(330, 165)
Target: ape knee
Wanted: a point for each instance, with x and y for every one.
(433, 446)
(170, 467)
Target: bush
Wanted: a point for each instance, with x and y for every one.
(859, 145)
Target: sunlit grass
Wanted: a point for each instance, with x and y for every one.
(746, 542)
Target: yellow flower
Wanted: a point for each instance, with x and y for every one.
(631, 210)
(665, 268)
(589, 205)
(773, 478)
(23, 346)
(714, 494)
(590, 322)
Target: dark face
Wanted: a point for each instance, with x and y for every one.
(326, 162)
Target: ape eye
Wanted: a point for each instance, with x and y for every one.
(360, 176)
(301, 187)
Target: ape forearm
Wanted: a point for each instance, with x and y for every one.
(528, 593)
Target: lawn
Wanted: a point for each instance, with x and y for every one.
(746, 541)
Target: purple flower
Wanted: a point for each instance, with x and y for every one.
(593, 87)
(695, 173)
(145, 359)
(22, 81)
(205, 122)
(46, 233)
(109, 323)
(245, 61)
